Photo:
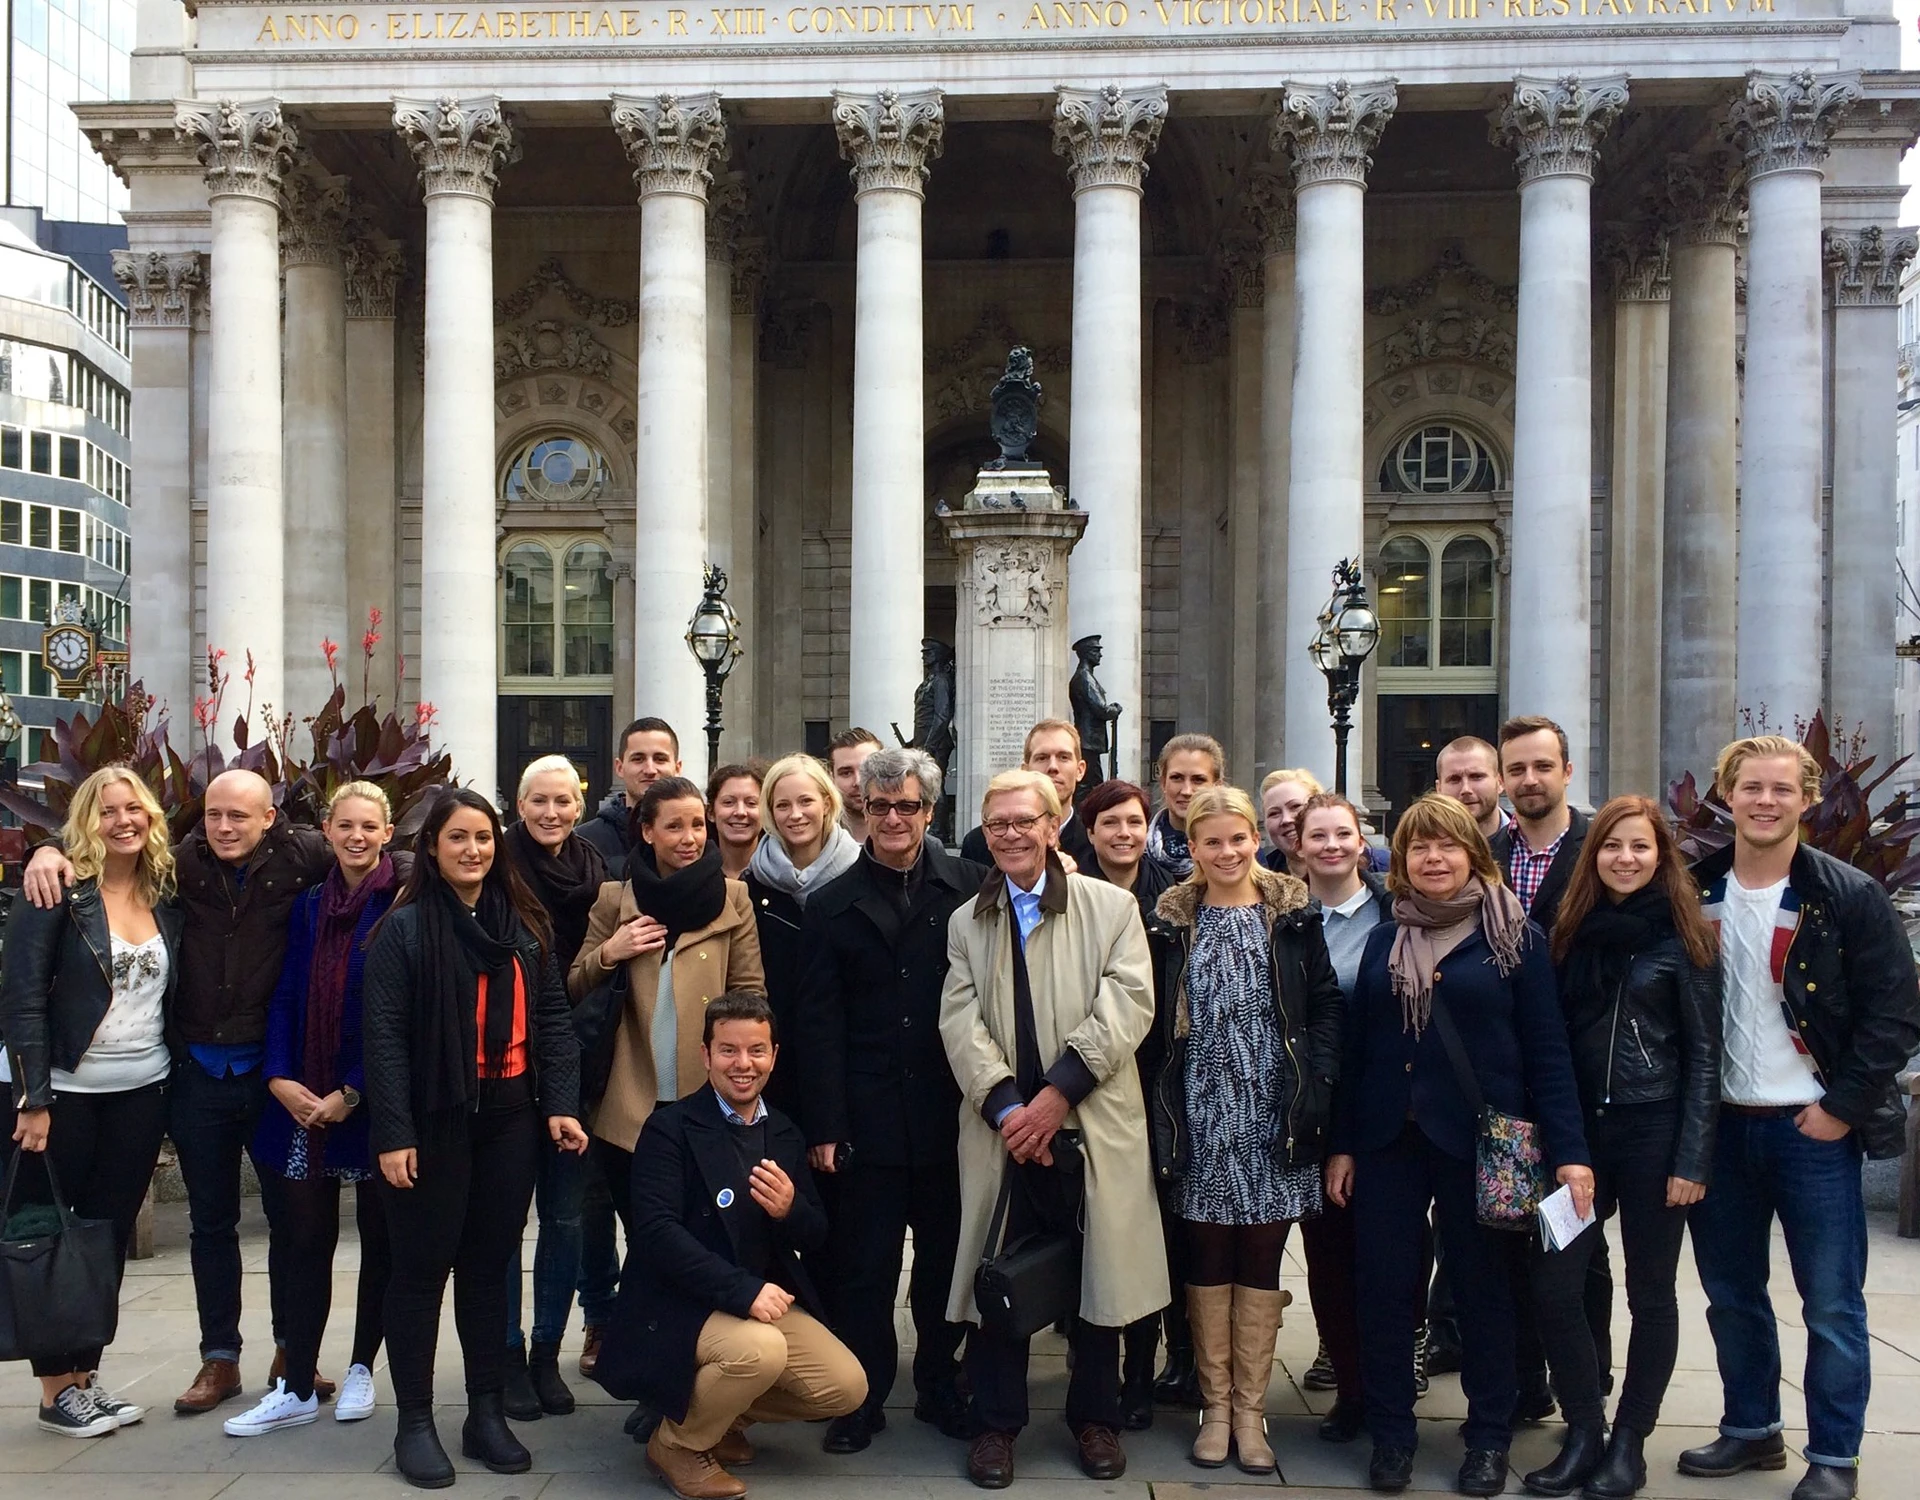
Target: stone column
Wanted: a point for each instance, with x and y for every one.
(1271, 205)
(1243, 265)
(373, 518)
(1330, 129)
(726, 205)
(743, 321)
(314, 418)
(1783, 124)
(1864, 266)
(161, 289)
(1107, 134)
(246, 147)
(889, 137)
(1554, 126)
(1702, 202)
(460, 145)
(1638, 262)
(673, 142)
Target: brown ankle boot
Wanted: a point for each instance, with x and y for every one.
(1256, 1319)
(691, 1475)
(277, 1371)
(218, 1380)
(1210, 1317)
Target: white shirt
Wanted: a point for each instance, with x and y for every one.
(129, 1048)
(1759, 1063)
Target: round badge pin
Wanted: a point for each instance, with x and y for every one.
(725, 1198)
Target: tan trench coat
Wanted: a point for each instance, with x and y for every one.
(707, 962)
(1092, 980)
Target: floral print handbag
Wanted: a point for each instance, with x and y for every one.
(1509, 1167)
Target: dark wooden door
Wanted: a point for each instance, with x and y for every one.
(580, 728)
(1413, 727)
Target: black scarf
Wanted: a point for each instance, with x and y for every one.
(565, 881)
(457, 946)
(1611, 934)
(687, 899)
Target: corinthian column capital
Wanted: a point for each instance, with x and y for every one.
(1332, 128)
(1701, 197)
(1270, 205)
(460, 144)
(1865, 265)
(1636, 255)
(673, 140)
(1107, 133)
(1554, 125)
(373, 270)
(890, 137)
(161, 286)
(1786, 119)
(313, 217)
(246, 146)
(726, 217)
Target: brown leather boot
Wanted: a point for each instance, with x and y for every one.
(1256, 1319)
(322, 1387)
(590, 1352)
(218, 1380)
(734, 1451)
(691, 1475)
(1210, 1318)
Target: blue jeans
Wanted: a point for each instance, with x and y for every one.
(559, 1193)
(1763, 1168)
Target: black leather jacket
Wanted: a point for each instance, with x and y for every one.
(1647, 1033)
(57, 982)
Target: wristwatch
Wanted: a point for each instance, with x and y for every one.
(351, 1094)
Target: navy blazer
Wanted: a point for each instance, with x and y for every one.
(682, 1256)
(1511, 1028)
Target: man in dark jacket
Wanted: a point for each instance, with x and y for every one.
(648, 750)
(1820, 1010)
(880, 1107)
(1052, 749)
(716, 1284)
(239, 874)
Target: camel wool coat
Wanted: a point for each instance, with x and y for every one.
(1092, 980)
(707, 962)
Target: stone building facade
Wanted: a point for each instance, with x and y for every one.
(504, 322)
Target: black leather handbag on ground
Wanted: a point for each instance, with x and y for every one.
(1034, 1281)
(595, 1020)
(59, 1281)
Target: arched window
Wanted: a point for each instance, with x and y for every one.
(555, 470)
(589, 625)
(556, 609)
(527, 611)
(1440, 460)
(1466, 603)
(1406, 603)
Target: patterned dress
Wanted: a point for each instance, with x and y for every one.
(1237, 1080)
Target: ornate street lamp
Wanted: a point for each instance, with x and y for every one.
(713, 636)
(1349, 630)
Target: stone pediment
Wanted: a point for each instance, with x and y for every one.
(1452, 313)
(551, 279)
(550, 345)
(1453, 272)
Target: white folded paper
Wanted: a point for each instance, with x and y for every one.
(1560, 1223)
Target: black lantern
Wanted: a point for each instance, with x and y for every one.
(713, 636)
(1349, 630)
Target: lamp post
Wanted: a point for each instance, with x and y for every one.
(10, 728)
(1349, 630)
(713, 636)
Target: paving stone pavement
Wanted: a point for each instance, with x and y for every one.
(585, 1456)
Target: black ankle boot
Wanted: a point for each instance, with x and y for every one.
(1581, 1451)
(1178, 1383)
(519, 1398)
(1623, 1471)
(487, 1438)
(543, 1373)
(417, 1453)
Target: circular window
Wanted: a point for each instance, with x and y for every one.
(1439, 461)
(556, 471)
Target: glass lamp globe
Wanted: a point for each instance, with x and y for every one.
(1357, 629)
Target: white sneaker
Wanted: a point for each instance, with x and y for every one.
(278, 1408)
(74, 1415)
(355, 1401)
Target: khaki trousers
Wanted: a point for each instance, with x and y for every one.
(794, 1370)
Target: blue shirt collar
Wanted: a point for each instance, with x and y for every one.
(734, 1117)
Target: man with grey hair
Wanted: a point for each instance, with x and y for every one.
(880, 1110)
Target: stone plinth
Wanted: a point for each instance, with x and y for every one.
(1011, 539)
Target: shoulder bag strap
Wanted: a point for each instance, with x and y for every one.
(992, 1246)
(1457, 1055)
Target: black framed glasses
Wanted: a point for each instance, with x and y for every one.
(877, 810)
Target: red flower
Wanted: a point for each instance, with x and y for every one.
(331, 650)
(203, 711)
(423, 716)
(247, 676)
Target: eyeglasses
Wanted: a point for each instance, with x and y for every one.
(999, 828)
(877, 810)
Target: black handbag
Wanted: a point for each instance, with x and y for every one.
(59, 1277)
(1034, 1281)
(595, 1021)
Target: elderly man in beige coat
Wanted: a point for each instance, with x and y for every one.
(1059, 1105)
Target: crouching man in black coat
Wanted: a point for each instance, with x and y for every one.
(718, 1324)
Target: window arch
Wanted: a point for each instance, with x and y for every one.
(1405, 602)
(555, 469)
(556, 608)
(1437, 598)
(1466, 603)
(1440, 459)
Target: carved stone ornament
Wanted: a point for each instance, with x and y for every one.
(1332, 128)
(551, 276)
(726, 216)
(460, 144)
(673, 140)
(1554, 125)
(1452, 267)
(1701, 197)
(161, 286)
(1450, 333)
(1270, 207)
(550, 345)
(246, 146)
(373, 270)
(1107, 133)
(1785, 120)
(313, 216)
(890, 137)
(1243, 271)
(750, 258)
(1013, 583)
(1865, 266)
(1636, 256)
(1200, 331)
